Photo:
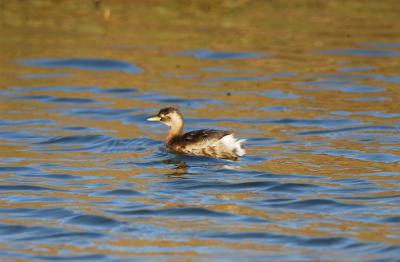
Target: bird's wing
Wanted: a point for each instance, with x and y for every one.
(208, 142)
(200, 136)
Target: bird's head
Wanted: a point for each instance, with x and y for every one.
(169, 116)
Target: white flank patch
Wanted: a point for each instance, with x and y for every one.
(233, 144)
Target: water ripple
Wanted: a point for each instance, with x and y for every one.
(274, 238)
(18, 169)
(342, 86)
(79, 139)
(119, 193)
(29, 188)
(87, 257)
(294, 187)
(319, 205)
(347, 129)
(179, 212)
(93, 221)
(395, 220)
(98, 143)
(232, 186)
(208, 54)
(21, 230)
(33, 122)
(66, 100)
(361, 52)
(62, 237)
(47, 213)
(85, 63)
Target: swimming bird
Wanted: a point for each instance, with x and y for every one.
(205, 142)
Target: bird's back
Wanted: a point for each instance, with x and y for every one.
(208, 142)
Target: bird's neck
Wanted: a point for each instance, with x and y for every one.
(175, 131)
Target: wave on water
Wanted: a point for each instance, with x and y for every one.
(209, 54)
(85, 63)
(96, 143)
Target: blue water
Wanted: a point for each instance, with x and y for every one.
(85, 63)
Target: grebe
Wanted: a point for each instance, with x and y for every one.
(205, 142)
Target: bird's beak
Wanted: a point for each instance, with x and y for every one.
(154, 118)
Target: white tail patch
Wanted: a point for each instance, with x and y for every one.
(233, 144)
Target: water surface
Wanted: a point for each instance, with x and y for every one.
(312, 86)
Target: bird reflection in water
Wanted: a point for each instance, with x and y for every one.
(180, 167)
(182, 163)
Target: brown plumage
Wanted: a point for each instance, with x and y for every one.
(205, 142)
